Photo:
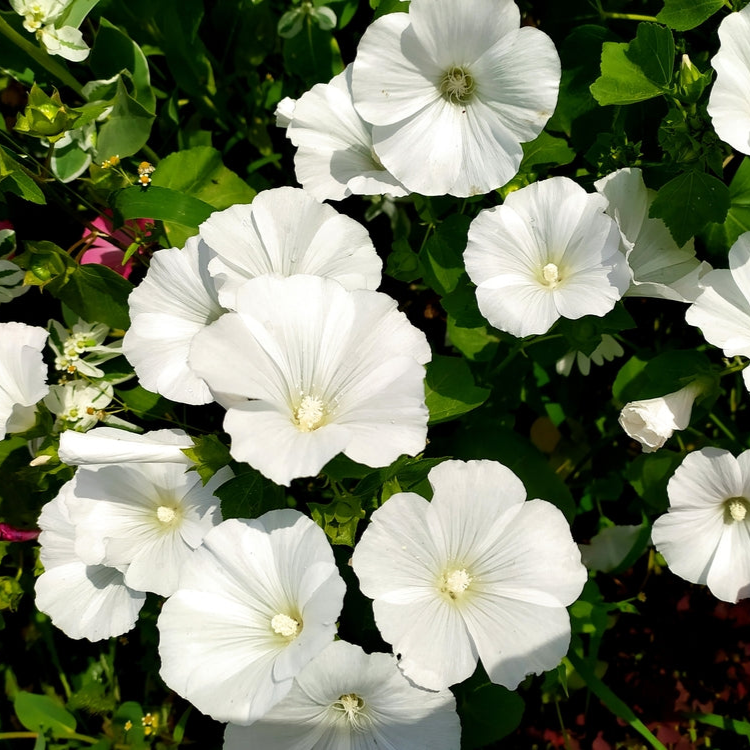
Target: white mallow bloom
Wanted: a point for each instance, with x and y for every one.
(109, 445)
(722, 309)
(335, 157)
(84, 601)
(705, 536)
(255, 604)
(344, 699)
(479, 572)
(452, 89)
(175, 300)
(549, 251)
(143, 518)
(285, 111)
(285, 231)
(729, 101)
(653, 420)
(23, 375)
(660, 268)
(308, 369)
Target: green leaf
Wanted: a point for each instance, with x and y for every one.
(250, 495)
(477, 343)
(442, 255)
(546, 149)
(488, 712)
(114, 52)
(143, 403)
(179, 22)
(720, 237)
(621, 81)
(75, 13)
(127, 128)
(690, 201)
(339, 518)
(450, 389)
(409, 472)
(14, 179)
(403, 263)
(40, 713)
(209, 455)
(683, 15)
(741, 728)
(199, 172)
(98, 294)
(313, 55)
(649, 474)
(162, 204)
(652, 51)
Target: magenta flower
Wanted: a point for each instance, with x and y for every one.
(103, 251)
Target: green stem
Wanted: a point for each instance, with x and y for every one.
(628, 16)
(41, 57)
(34, 735)
(722, 427)
(617, 706)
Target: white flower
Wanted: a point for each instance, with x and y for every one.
(108, 445)
(549, 251)
(284, 111)
(37, 13)
(308, 369)
(84, 601)
(477, 572)
(452, 89)
(41, 17)
(143, 518)
(705, 536)
(653, 420)
(660, 268)
(729, 101)
(345, 698)
(285, 231)
(65, 41)
(722, 309)
(81, 349)
(23, 375)
(255, 604)
(334, 156)
(175, 300)
(79, 405)
(606, 350)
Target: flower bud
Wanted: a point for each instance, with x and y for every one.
(46, 116)
(653, 420)
(690, 81)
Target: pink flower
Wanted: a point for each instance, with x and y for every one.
(101, 250)
(11, 534)
(5, 224)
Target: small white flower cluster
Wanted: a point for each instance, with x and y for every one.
(84, 392)
(47, 19)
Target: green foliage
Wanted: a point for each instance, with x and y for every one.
(209, 455)
(450, 390)
(15, 179)
(721, 236)
(683, 15)
(250, 495)
(688, 202)
(40, 713)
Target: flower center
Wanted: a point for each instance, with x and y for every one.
(352, 707)
(166, 514)
(285, 625)
(309, 414)
(735, 509)
(551, 275)
(455, 582)
(457, 85)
